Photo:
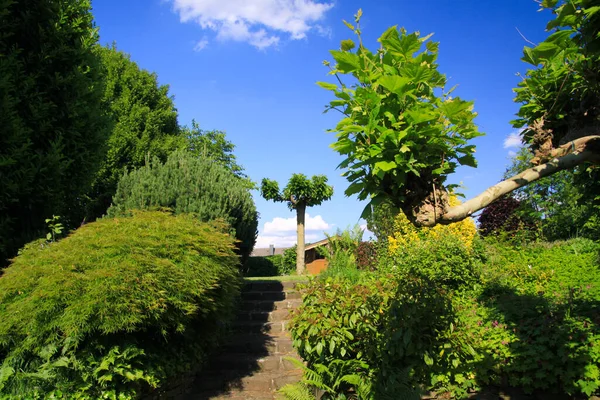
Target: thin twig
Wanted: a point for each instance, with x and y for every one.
(337, 109)
(524, 38)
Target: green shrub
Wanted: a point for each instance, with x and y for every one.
(445, 260)
(458, 319)
(187, 184)
(390, 325)
(116, 308)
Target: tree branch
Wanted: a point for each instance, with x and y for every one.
(568, 156)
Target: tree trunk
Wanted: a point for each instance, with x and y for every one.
(568, 156)
(300, 211)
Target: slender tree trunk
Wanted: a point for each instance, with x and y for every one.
(300, 211)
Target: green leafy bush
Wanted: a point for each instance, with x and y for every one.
(116, 308)
(187, 184)
(388, 324)
(524, 316)
(444, 260)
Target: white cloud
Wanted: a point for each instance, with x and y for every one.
(201, 45)
(512, 153)
(281, 232)
(279, 226)
(257, 22)
(513, 141)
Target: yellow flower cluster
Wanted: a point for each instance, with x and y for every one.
(406, 233)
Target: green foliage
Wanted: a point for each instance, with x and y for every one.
(144, 119)
(453, 319)
(289, 257)
(560, 97)
(276, 265)
(116, 308)
(398, 137)
(558, 202)
(215, 146)
(340, 253)
(371, 321)
(299, 191)
(445, 260)
(52, 126)
(340, 380)
(55, 226)
(187, 184)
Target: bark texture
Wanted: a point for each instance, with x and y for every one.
(567, 156)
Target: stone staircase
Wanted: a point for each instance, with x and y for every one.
(252, 364)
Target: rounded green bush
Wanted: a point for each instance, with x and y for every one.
(115, 308)
(187, 184)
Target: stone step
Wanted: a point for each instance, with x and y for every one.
(269, 286)
(260, 327)
(261, 385)
(271, 295)
(264, 316)
(259, 344)
(245, 362)
(269, 305)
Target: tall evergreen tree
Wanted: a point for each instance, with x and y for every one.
(52, 126)
(188, 184)
(145, 123)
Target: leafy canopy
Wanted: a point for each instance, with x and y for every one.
(561, 96)
(402, 133)
(144, 123)
(214, 145)
(299, 191)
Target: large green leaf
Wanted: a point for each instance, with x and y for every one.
(346, 62)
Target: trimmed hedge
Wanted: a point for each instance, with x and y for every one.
(116, 308)
(276, 265)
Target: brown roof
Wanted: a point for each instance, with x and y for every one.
(316, 244)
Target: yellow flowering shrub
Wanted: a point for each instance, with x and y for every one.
(405, 232)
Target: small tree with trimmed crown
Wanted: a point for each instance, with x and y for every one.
(299, 193)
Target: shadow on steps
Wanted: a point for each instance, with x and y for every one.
(252, 363)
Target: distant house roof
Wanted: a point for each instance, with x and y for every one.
(316, 244)
(263, 252)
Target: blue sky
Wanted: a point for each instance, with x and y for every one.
(249, 67)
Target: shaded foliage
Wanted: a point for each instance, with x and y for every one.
(52, 126)
(145, 124)
(275, 265)
(187, 184)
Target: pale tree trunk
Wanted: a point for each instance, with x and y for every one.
(568, 156)
(300, 211)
